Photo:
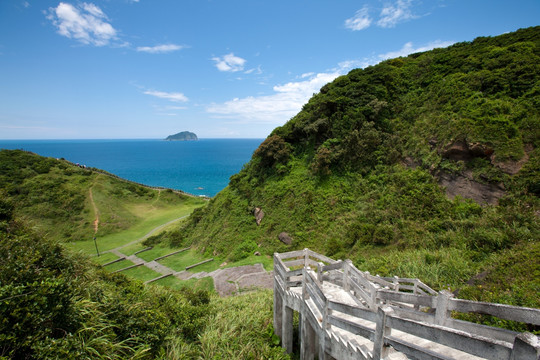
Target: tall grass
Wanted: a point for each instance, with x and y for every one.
(241, 328)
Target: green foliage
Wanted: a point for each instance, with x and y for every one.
(355, 173)
(58, 198)
(53, 305)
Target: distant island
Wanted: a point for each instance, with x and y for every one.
(182, 136)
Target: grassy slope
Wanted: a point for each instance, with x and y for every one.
(335, 177)
(55, 303)
(60, 200)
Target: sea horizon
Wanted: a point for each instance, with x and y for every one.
(199, 167)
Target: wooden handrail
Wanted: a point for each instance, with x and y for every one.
(396, 303)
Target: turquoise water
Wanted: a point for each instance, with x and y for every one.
(198, 167)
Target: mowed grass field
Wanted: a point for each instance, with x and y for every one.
(128, 213)
(125, 214)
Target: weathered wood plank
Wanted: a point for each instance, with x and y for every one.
(292, 263)
(315, 296)
(352, 310)
(295, 272)
(321, 257)
(356, 329)
(422, 300)
(313, 283)
(475, 345)
(507, 312)
(360, 291)
(335, 266)
(291, 254)
(413, 351)
(483, 330)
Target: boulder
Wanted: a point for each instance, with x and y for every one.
(259, 215)
(285, 238)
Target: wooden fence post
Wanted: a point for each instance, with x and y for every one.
(379, 350)
(287, 328)
(441, 312)
(320, 273)
(416, 292)
(346, 267)
(526, 347)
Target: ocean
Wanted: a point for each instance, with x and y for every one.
(200, 167)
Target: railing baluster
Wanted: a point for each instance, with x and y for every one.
(405, 297)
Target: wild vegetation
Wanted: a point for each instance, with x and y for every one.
(63, 201)
(55, 303)
(358, 173)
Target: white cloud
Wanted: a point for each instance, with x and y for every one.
(392, 14)
(276, 108)
(408, 49)
(86, 23)
(160, 49)
(288, 99)
(171, 96)
(257, 71)
(229, 63)
(360, 20)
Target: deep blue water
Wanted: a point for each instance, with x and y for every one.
(198, 167)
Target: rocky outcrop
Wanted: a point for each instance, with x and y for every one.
(513, 167)
(462, 150)
(465, 186)
(259, 215)
(285, 238)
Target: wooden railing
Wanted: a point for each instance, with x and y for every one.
(401, 304)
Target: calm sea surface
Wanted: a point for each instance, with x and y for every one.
(198, 167)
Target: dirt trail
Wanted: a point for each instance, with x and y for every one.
(96, 210)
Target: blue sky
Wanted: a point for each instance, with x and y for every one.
(220, 68)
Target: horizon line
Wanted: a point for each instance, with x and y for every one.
(163, 139)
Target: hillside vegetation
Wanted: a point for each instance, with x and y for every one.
(63, 201)
(55, 303)
(424, 166)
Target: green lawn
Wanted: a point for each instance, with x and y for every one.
(118, 265)
(206, 283)
(104, 258)
(141, 273)
(136, 232)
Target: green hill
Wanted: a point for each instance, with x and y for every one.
(423, 166)
(73, 204)
(55, 303)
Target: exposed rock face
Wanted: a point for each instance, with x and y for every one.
(513, 167)
(468, 188)
(462, 150)
(259, 215)
(285, 238)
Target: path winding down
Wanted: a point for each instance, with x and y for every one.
(228, 281)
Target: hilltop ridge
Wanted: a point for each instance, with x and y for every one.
(422, 166)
